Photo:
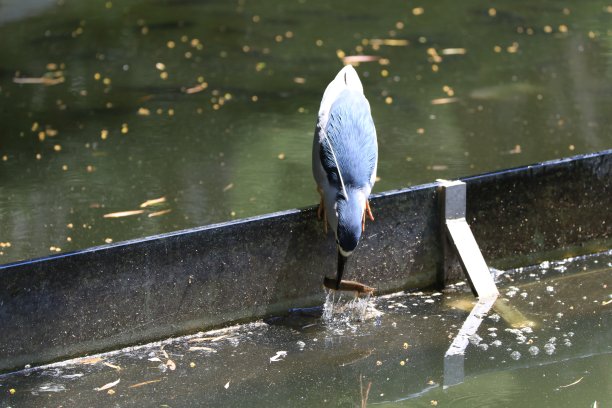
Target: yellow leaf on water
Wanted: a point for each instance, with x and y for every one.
(444, 101)
(197, 88)
(454, 51)
(123, 214)
(393, 42)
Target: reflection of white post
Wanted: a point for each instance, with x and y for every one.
(463, 241)
(475, 268)
(453, 359)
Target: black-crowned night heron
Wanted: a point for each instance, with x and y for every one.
(344, 160)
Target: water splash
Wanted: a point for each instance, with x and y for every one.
(347, 309)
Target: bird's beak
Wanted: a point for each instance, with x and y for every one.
(341, 262)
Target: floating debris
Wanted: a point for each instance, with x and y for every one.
(354, 59)
(202, 348)
(107, 386)
(89, 360)
(39, 80)
(444, 101)
(211, 339)
(152, 202)
(144, 383)
(453, 51)
(116, 367)
(121, 214)
(158, 213)
(392, 42)
(197, 88)
(571, 384)
(279, 356)
(171, 365)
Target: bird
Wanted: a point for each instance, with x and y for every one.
(344, 162)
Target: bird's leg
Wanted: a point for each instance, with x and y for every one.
(321, 210)
(363, 222)
(367, 211)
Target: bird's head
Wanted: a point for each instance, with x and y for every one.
(348, 233)
(349, 210)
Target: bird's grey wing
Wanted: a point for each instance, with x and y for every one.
(352, 135)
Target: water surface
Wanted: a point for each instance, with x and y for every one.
(212, 104)
(547, 342)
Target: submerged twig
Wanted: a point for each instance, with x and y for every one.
(574, 383)
(364, 395)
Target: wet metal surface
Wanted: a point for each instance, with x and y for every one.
(561, 358)
(117, 295)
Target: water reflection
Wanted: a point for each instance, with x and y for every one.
(525, 83)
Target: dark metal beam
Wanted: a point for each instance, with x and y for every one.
(138, 291)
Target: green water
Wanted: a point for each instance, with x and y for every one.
(527, 81)
(546, 343)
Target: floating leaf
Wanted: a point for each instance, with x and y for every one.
(116, 367)
(123, 214)
(171, 365)
(444, 101)
(144, 383)
(89, 360)
(158, 213)
(154, 201)
(350, 59)
(107, 386)
(40, 80)
(199, 348)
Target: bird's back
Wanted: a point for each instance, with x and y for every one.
(352, 135)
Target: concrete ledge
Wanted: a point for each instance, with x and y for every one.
(141, 290)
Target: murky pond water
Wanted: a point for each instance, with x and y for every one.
(547, 342)
(211, 105)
